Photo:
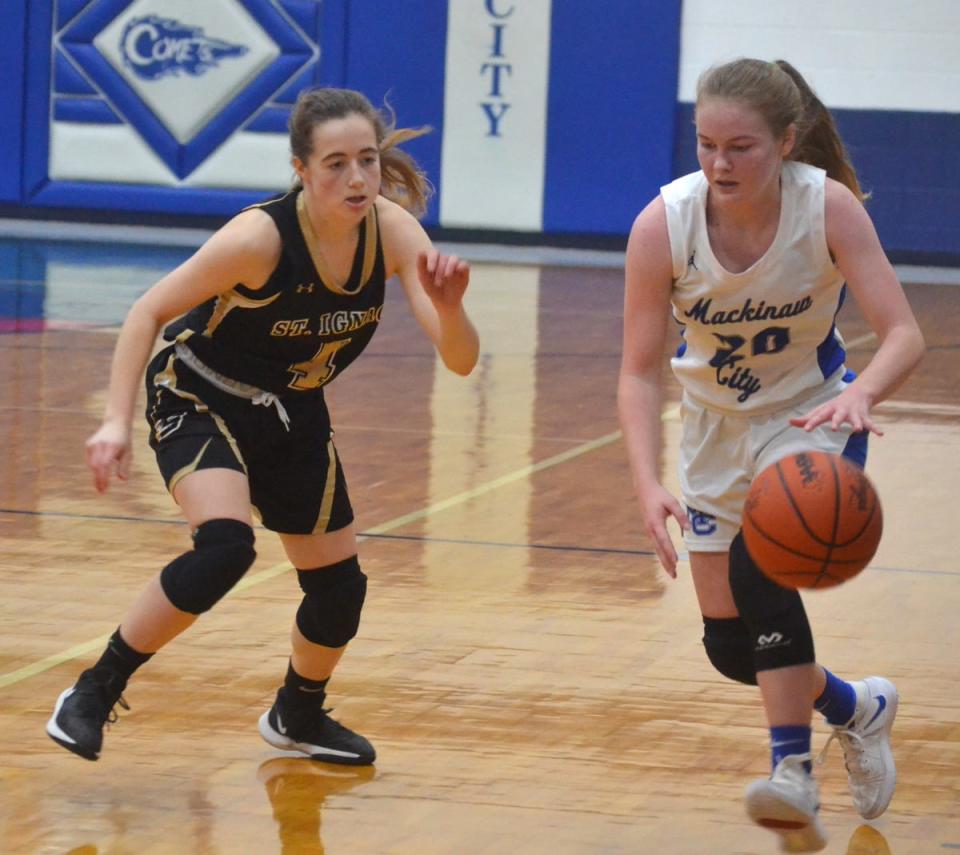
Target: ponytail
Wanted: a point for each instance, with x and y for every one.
(779, 93)
(401, 178)
(818, 140)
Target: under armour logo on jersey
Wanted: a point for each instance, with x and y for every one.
(167, 426)
(305, 288)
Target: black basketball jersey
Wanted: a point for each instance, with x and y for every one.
(301, 329)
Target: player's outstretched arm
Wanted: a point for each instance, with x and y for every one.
(434, 285)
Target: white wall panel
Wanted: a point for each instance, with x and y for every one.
(116, 153)
(857, 54)
(104, 153)
(247, 160)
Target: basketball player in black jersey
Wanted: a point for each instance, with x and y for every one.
(271, 308)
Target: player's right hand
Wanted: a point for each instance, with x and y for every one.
(108, 452)
(657, 505)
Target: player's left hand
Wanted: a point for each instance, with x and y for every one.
(851, 407)
(444, 278)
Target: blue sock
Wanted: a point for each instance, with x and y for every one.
(789, 739)
(838, 701)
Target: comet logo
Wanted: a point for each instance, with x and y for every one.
(154, 47)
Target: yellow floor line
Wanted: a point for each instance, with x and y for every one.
(52, 661)
(495, 484)
(270, 572)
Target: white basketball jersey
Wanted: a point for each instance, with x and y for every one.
(756, 340)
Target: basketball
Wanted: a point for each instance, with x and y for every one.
(812, 520)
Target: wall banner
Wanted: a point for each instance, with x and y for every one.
(494, 122)
(175, 77)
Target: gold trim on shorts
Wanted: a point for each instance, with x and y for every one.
(326, 503)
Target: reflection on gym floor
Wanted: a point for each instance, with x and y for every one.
(531, 679)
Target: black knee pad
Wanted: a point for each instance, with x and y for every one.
(333, 598)
(730, 648)
(222, 552)
(775, 617)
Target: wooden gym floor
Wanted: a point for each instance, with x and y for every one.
(532, 681)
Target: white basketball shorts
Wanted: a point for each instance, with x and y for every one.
(720, 453)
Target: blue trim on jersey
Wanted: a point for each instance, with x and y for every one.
(856, 448)
(830, 353)
(682, 347)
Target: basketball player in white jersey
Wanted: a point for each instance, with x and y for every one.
(754, 254)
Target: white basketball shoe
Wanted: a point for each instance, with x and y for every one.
(871, 772)
(788, 803)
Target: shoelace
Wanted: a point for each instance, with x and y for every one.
(113, 716)
(851, 743)
(795, 760)
(95, 698)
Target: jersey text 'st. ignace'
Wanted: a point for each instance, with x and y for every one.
(301, 329)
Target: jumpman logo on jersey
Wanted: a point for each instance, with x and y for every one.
(692, 260)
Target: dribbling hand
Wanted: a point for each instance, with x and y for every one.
(444, 278)
(851, 407)
(107, 453)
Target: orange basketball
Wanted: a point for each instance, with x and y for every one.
(812, 520)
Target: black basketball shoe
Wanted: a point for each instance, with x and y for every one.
(312, 731)
(83, 709)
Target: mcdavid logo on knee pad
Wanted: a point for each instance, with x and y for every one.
(773, 639)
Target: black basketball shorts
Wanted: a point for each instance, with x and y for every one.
(297, 485)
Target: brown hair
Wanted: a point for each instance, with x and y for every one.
(402, 180)
(778, 92)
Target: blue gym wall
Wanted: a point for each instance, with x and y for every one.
(594, 99)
